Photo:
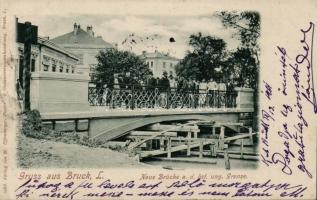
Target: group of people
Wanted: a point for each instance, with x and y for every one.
(166, 83)
(201, 87)
(196, 94)
(183, 85)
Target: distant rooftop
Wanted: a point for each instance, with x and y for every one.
(52, 45)
(157, 54)
(79, 37)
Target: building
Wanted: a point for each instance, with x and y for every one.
(55, 85)
(159, 62)
(85, 45)
(48, 57)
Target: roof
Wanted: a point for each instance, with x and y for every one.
(157, 54)
(81, 38)
(52, 45)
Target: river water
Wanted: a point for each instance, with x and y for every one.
(220, 164)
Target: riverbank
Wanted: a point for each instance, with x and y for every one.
(42, 153)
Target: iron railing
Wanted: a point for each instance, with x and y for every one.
(132, 97)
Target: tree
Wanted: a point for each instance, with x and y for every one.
(113, 61)
(207, 55)
(164, 83)
(245, 60)
(241, 67)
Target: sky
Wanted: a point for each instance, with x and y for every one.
(138, 33)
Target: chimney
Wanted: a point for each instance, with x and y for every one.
(89, 31)
(75, 28)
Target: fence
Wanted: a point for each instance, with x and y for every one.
(132, 97)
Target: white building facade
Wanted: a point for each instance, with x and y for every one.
(159, 62)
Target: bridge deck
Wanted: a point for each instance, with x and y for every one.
(120, 113)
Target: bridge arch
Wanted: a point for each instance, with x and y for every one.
(108, 129)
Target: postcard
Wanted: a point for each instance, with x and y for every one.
(161, 99)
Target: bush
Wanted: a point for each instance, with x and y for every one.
(70, 137)
(32, 124)
(84, 141)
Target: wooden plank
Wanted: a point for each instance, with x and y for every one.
(228, 124)
(150, 133)
(157, 134)
(240, 136)
(227, 161)
(149, 145)
(189, 135)
(204, 123)
(169, 147)
(213, 150)
(144, 154)
(246, 142)
(189, 160)
(221, 137)
(195, 134)
(179, 139)
(178, 128)
(241, 148)
(251, 136)
(245, 157)
(251, 153)
(201, 148)
(162, 143)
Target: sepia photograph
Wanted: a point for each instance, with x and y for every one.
(138, 91)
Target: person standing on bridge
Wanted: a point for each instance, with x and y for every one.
(222, 93)
(203, 90)
(212, 88)
(164, 82)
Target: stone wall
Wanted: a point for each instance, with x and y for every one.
(53, 92)
(245, 99)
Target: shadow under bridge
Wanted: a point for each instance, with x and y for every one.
(112, 128)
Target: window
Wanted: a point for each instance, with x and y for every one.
(33, 65)
(45, 63)
(151, 63)
(171, 64)
(164, 64)
(61, 68)
(45, 67)
(67, 69)
(73, 69)
(54, 67)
